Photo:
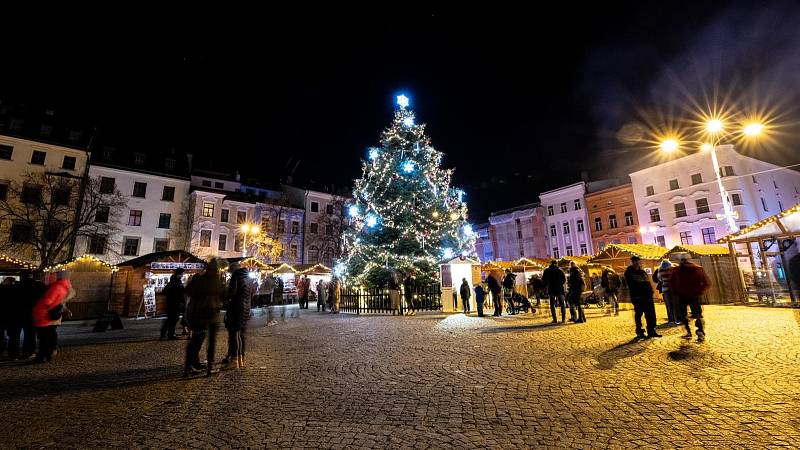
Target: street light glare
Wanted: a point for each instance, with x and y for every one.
(714, 126)
(706, 147)
(669, 145)
(255, 229)
(753, 129)
(245, 227)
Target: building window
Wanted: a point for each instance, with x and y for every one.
(629, 218)
(97, 245)
(660, 241)
(164, 220)
(686, 238)
(631, 239)
(169, 164)
(31, 194)
(556, 255)
(139, 189)
(138, 159)
(601, 245)
(60, 195)
(329, 209)
(764, 204)
(584, 251)
(6, 151)
(3, 191)
(206, 183)
(223, 216)
(238, 242)
(130, 247)
(673, 184)
(569, 250)
(313, 228)
(616, 241)
(168, 194)
(577, 204)
(38, 157)
(135, 218)
(293, 251)
(612, 221)
(579, 224)
(563, 207)
(697, 178)
(680, 210)
(566, 227)
(53, 231)
(223, 242)
(314, 207)
(313, 255)
(281, 226)
(736, 199)
(205, 238)
(208, 209)
(219, 185)
(101, 215)
(68, 163)
(108, 154)
(655, 216)
(161, 245)
(702, 205)
(729, 171)
(598, 224)
(550, 210)
(329, 230)
(552, 230)
(650, 191)
(21, 232)
(241, 217)
(295, 227)
(709, 236)
(107, 185)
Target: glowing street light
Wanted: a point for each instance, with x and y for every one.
(714, 126)
(753, 129)
(246, 229)
(706, 147)
(669, 145)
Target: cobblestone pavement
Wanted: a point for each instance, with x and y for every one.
(427, 381)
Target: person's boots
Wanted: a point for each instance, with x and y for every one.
(241, 361)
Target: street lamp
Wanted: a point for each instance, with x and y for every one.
(651, 229)
(246, 229)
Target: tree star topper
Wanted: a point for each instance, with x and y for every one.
(402, 100)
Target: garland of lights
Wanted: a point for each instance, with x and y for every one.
(404, 212)
(64, 265)
(760, 223)
(19, 262)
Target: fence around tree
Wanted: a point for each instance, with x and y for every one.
(359, 300)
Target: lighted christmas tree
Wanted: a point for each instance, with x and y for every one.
(405, 214)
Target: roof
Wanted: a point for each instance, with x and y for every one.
(617, 251)
(516, 208)
(80, 260)
(9, 263)
(171, 256)
(701, 250)
(784, 223)
(579, 260)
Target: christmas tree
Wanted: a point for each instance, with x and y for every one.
(405, 214)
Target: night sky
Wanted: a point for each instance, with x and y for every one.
(520, 102)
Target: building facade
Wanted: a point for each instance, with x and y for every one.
(324, 223)
(679, 202)
(612, 217)
(518, 232)
(566, 221)
(483, 243)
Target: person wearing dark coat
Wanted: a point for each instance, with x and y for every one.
(466, 293)
(28, 292)
(576, 285)
(174, 293)
(553, 279)
(611, 283)
(536, 288)
(641, 292)
(205, 292)
(8, 290)
(494, 289)
(237, 314)
(689, 281)
(509, 281)
(480, 295)
(408, 291)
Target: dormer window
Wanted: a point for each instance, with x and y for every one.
(138, 159)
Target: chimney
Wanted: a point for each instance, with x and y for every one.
(189, 161)
(585, 175)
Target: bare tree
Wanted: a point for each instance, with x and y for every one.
(183, 233)
(328, 239)
(40, 217)
(275, 230)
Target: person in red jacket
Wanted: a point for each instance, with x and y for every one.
(47, 313)
(689, 281)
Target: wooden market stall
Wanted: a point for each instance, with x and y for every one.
(766, 254)
(287, 276)
(315, 273)
(93, 281)
(11, 267)
(618, 258)
(726, 283)
(139, 282)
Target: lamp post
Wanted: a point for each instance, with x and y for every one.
(246, 229)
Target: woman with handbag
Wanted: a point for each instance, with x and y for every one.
(47, 314)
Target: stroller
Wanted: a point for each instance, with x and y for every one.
(596, 296)
(518, 303)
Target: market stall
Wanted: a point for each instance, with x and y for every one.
(93, 280)
(286, 276)
(452, 273)
(726, 283)
(11, 267)
(618, 258)
(315, 274)
(767, 254)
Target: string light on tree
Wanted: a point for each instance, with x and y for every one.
(408, 166)
(373, 154)
(408, 121)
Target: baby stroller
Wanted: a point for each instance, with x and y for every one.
(519, 304)
(595, 296)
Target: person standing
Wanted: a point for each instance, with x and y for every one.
(409, 284)
(508, 290)
(536, 287)
(394, 293)
(689, 281)
(8, 290)
(237, 314)
(47, 314)
(336, 295)
(642, 298)
(466, 293)
(174, 293)
(554, 279)
(576, 285)
(267, 289)
(480, 297)
(661, 278)
(302, 293)
(28, 292)
(611, 283)
(321, 295)
(495, 289)
(205, 292)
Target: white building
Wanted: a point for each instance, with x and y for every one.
(679, 202)
(324, 219)
(566, 221)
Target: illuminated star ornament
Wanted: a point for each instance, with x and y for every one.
(408, 166)
(371, 221)
(402, 101)
(373, 154)
(353, 210)
(408, 121)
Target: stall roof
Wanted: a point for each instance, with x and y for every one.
(283, 268)
(307, 269)
(8, 263)
(80, 259)
(579, 260)
(168, 256)
(619, 251)
(249, 261)
(701, 250)
(784, 223)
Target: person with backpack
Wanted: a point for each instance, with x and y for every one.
(689, 281)
(47, 314)
(611, 283)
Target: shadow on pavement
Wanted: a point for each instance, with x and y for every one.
(521, 328)
(685, 351)
(609, 358)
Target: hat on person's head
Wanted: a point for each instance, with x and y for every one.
(665, 264)
(553, 261)
(635, 258)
